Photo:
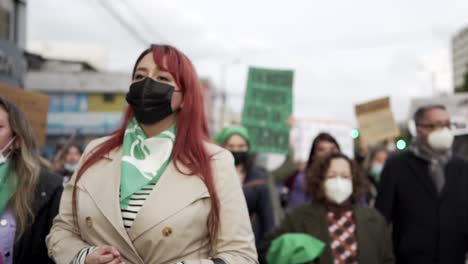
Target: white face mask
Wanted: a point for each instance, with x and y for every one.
(4, 158)
(440, 139)
(338, 189)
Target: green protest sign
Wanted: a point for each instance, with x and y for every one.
(267, 107)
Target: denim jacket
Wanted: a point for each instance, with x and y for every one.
(7, 236)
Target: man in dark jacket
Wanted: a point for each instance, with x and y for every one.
(423, 193)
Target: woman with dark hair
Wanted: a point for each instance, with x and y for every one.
(254, 180)
(29, 193)
(156, 190)
(351, 232)
(322, 145)
(67, 160)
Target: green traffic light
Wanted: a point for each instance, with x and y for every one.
(355, 133)
(401, 144)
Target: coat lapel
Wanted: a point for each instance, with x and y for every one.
(316, 225)
(173, 192)
(420, 169)
(451, 170)
(103, 186)
(365, 241)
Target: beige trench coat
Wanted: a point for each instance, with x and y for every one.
(170, 227)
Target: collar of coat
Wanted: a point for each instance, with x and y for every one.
(313, 219)
(102, 183)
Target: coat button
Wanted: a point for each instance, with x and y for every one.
(167, 231)
(3, 222)
(89, 221)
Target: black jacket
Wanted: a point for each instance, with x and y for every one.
(31, 247)
(258, 198)
(428, 228)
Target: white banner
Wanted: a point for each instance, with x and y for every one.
(456, 104)
(306, 129)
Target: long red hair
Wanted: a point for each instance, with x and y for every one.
(192, 130)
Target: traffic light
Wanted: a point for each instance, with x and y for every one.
(401, 144)
(355, 133)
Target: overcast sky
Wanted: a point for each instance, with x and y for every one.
(343, 52)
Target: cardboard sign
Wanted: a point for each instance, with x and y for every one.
(376, 121)
(34, 105)
(267, 107)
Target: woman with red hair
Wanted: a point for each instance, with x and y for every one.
(156, 190)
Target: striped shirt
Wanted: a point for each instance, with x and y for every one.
(135, 204)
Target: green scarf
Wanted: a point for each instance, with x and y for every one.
(144, 159)
(8, 184)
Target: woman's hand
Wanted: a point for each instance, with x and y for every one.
(104, 255)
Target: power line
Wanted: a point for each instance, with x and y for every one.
(144, 22)
(132, 30)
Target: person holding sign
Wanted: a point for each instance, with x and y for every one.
(29, 193)
(156, 190)
(352, 233)
(255, 182)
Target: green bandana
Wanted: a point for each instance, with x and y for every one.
(8, 184)
(294, 248)
(144, 159)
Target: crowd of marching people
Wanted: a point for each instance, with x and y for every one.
(161, 190)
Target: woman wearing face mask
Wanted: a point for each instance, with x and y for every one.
(255, 183)
(72, 155)
(375, 166)
(156, 190)
(29, 194)
(322, 145)
(353, 233)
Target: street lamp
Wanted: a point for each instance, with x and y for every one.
(432, 75)
(224, 68)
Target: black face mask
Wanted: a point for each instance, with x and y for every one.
(240, 157)
(150, 100)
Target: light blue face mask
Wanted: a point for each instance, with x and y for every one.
(375, 171)
(70, 167)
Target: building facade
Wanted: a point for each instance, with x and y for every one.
(12, 42)
(460, 56)
(84, 103)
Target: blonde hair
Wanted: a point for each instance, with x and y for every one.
(27, 165)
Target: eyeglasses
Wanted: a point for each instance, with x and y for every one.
(449, 125)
